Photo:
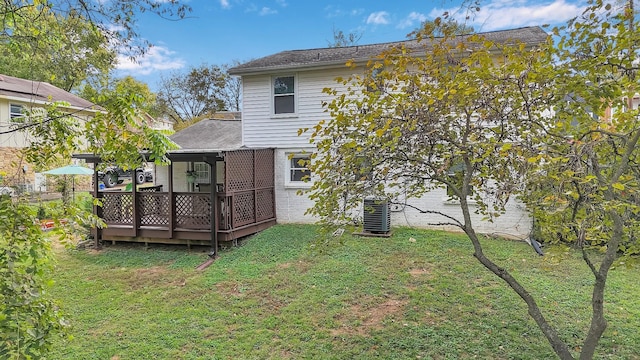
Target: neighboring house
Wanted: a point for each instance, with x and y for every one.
(282, 93)
(631, 103)
(227, 115)
(161, 124)
(19, 97)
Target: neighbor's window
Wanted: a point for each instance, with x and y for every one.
(202, 172)
(298, 168)
(284, 95)
(16, 113)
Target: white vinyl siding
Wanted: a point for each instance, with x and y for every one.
(17, 139)
(261, 128)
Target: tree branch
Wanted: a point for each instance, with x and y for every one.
(456, 222)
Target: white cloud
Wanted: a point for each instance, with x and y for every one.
(412, 20)
(158, 58)
(333, 11)
(504, 14)
(282, 3)
(378, 18)
(225, 4)
(267, 11)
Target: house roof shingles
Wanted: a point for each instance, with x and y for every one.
(210, 135)
(39, 91)
(326, 57)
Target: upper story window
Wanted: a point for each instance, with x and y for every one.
(284, 95)
(377, 82)
(16, 113)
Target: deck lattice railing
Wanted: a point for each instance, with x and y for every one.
(248, 197)
(192, 210)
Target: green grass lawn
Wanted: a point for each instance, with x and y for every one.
(417, 295)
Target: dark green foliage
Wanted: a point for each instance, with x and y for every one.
(106, 89)
(38, 43)
(98, 21)
(63, 42)
(42, 213)
(29, 318)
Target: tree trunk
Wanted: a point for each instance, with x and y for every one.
(559, 346)
(598, 322)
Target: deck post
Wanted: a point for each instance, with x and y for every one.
(273, 182)
(136, 212)
(255, 186)
(213, 180)
(172, 202)
(96, 209)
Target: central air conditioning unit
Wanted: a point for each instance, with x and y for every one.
(377, 217)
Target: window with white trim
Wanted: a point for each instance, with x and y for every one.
(16, 113)
(202, 172)
(298, 169)
(284, 101)
(377, 82)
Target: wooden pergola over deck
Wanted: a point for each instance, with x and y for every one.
(243, 204)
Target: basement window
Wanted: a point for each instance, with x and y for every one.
(298, 170)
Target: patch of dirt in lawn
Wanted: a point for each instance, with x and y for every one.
(154, 276)
(431, 318)
(420, 276)
(360, 320)
(420, 272)
(232, 288)
(264, 297)
(301, 266)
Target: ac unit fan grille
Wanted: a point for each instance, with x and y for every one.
(377, 217)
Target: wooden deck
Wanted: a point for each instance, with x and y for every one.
(243, 204)
(190, 222)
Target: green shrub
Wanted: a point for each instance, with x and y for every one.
(28, 317)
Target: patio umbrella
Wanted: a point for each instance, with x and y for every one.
(71, 170)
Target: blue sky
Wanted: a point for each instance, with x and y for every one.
(220, 31)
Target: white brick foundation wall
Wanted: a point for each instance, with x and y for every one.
(290, 208)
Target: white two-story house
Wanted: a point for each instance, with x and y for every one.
(20, 98)
(282, 93)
